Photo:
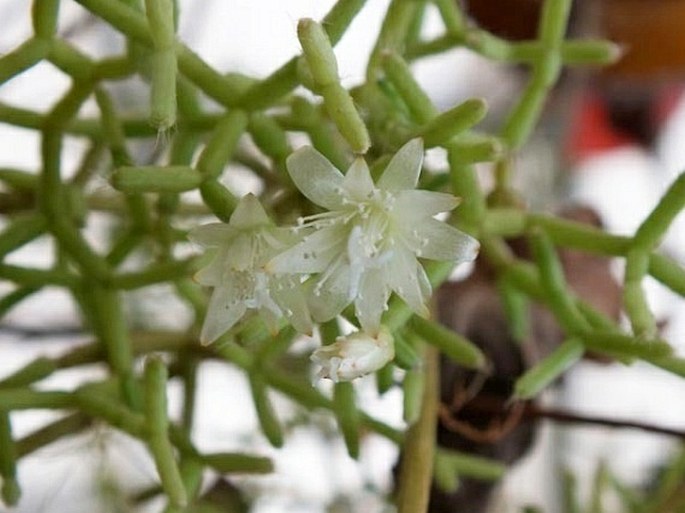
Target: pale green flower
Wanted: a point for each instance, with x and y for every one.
(243, 247)
(355, 355)
(366, 245)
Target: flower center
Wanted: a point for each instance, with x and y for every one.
(252, 289)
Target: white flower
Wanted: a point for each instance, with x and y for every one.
(355, 355)
(236, 272)
(367, 244)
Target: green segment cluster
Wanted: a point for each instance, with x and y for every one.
(374, 119)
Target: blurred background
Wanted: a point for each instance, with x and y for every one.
(610, 140)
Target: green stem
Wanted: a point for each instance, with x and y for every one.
(465, 186)
(44, 15)
(22, 58)
(155, 273)
(455, 346)
(347, 414)
(549, 369)
(655, 225)
(420, 105)
(110, 325)
(34, 371)
(8, 461)
(156, 179)
(52, 432)
(560, 299)
(27, 399)
(284, 79)
(21, 231)
(396, 25)
(157, 427)
(15, 297)
(233, 462)
(419, 447)
(71, 61)
(32, 277)
(268, 420)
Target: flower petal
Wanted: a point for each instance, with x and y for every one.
(439, 241)
(240, 255)
(313, 254)
(404, 277)
(358, 182)
(224, 311)
(249, 213)
(262, 297)
(404, 168)
(374, 360)
(316, 177)
(213, 274)
(212, 234)
(354, 355)
(424, 282)
(411, 205)
(371, 301)
(329, 294)
(280, 238)
(272, 321)
(290, 297)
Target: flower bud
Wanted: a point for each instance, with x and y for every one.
(355, 355)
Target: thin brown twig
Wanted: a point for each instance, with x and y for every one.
(557, 415)
(532, 411)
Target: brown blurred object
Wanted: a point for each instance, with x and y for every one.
(640, 90)
(514, 20)
(476, 416)
(651, 32)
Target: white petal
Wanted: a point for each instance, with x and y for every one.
(424, 282)
(240, 254)
(404, 168)
(356, 256)
(376, 358)
(249, 213)
(372, 300)
(272, 321)
(329, 294)
(404, 278)
(358, 182)
(411, 205)
(223, 312)
(263, 297)
(440, 241)
(213, 274)
(280, 238)
(313, 254)
(290, 297)
(316, 177)
(355, 355)
(213, 234)
(326, 358)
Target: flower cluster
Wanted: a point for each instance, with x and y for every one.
(363, 247)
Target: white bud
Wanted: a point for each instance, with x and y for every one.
(355, 355)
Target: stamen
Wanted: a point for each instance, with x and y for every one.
(320, 220)
(330, 270)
